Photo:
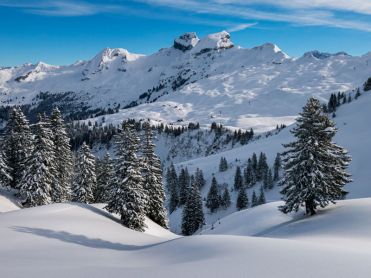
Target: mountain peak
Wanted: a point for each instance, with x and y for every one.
(215, 41)
(186, 41)
(323, 55)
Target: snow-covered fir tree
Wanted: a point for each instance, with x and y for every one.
(193, 216)
(184, 184)
(254, 199)
(128, 198)
(39, 174)
(226, 198)
(199, 176)
(315, 167)
(261, 199)
(223, 164)
(238, 181)
(61, 190)
(213, 198)
(18, 145)
(268, 180)
(242, 199)
(85, 179)
(5, 178)
(172, 187)
(153, 184)
(105, 178)
(277, 167)
(262, 167)
(248, 175)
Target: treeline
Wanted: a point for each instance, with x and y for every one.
(36, 161)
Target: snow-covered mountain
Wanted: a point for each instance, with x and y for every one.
(199, 80)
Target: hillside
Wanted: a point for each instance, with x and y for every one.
(352, 134)
(79, 240)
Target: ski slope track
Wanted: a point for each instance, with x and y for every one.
(195, 80)
(78, 240)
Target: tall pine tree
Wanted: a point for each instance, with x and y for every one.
(38, 177)
(64, 159)
(193, 216)
(105, 179)
(213, 198)
(18, 145)
(128, 198)
(315, 167)
(153, 184)
(85, 179)
(172, 187)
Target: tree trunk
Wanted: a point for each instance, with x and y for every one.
(309, 207)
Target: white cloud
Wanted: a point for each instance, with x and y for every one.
(241, 27)
(291, 11)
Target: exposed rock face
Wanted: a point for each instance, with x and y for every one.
(214, 42)
(186, 41)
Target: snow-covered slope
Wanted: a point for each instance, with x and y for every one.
(199, 80)
(353, 134)
(77, 240)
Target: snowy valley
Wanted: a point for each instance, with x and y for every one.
(200, 106)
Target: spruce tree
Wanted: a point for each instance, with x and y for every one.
(254, 164)
(248, 175)
(213, 198)
(128, 198)
(262, 167)
(193, 216)
(226, 198)
(105, 178)
(184, 183)
(315, 167)
(38, 176)
(172, 187)
(223, 164)
(153, 184)
(63, 158)
(277, 167)
(5, 178)
(254, 200)
(18, 145)
(85, 179)
(261, 199)
(199, 176)
(242, 199)
(238, 181)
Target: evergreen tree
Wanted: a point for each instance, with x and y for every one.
(38, 176)
(18, 145)
(226, 198)
(85, 179)
(184, 182)
(105, 179)
(315, 168)
(128, 198)
(242, 199)
(249, 174)
(200, 180)
(63, 158)
(223, 164)
(277, 167)
(193, 216)
(358, 94)
(268, 180)
(262, 167)
(261, 199)
(5, 178)
(153, 180)
(172, 187)
(254, 164)
(213, 198)
(238, 182)
(254, 200)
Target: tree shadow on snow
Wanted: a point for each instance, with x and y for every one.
(77, 239)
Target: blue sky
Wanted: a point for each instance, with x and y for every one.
(61, 32)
